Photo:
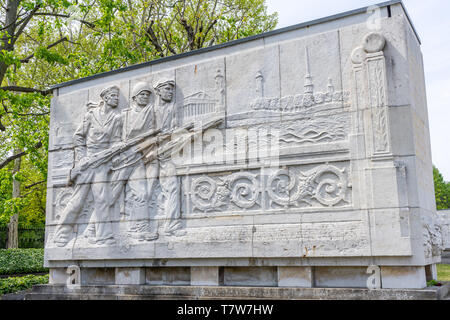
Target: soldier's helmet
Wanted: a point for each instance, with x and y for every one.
(109, 90)
(139, 87)
(163, 82)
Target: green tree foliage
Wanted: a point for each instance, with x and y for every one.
(31, 203)
(45, 42)
(441, 190)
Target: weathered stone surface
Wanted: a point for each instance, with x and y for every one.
(445, 218)
(295, 277)
(332, 277)
(205, 276)
(47, 292)
(130, 276)
(403, 277)
(296, 149)
(168, 276)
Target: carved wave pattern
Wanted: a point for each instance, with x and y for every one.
(320, 187)
(240, 189)
(319, 130)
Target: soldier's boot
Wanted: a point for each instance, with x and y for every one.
(62, 234)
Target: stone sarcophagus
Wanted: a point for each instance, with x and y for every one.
(299, 157)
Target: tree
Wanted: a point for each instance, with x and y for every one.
(30, 197)
(144, 30)
(45, 42)
(441, 190)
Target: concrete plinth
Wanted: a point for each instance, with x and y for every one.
(205, 276)
(295, 277)
(145, 292)
(403, 277)
(57, 276)
(130, 276)
(170, 276)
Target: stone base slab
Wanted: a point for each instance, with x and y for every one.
(256, 276)
(145, 292)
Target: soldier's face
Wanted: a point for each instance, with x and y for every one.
(112, 99)
(166, 92)
(143, 98)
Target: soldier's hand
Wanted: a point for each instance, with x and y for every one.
(123, 147)
(84, 163)
(116, 160)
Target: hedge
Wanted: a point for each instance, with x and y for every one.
(16, 261)
(14, 284)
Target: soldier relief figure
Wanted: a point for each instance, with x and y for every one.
(100, 130)
(117, 151)
(129, 168)
(167, 121)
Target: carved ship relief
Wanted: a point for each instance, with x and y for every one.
(307, 118)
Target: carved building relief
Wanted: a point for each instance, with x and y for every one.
(300, 101)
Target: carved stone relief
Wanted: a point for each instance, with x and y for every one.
(275, 151)
(309, 117)
(123, 165)
(322, 186)
(123, 168)
(433, 241)
(240, 189)
(370, 66)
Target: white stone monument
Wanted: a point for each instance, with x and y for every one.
(445, 218)
(299, 157)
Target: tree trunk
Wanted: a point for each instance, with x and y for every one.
(10, 28)
(13, 225)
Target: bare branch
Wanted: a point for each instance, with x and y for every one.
(24, 24)
(27, 59)
(60, 15)
(2, 127)
(25, 89)
(206, 32)
(18, 155)
(150, 33)
(15, 22)
(34, 184)
(31, 114)
(190, 33)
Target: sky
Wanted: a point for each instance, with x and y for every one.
(432, 23)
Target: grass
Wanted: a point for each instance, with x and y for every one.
(443, 272)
